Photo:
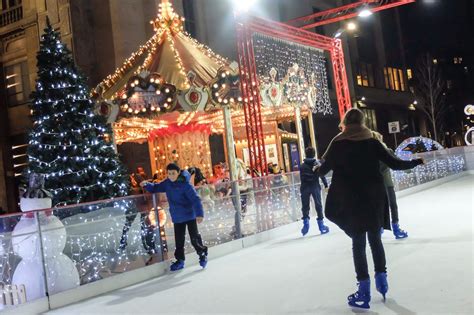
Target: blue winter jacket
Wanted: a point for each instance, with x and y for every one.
(185, 204)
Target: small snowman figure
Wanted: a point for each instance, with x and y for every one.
(61, 272)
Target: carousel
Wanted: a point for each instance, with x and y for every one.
(174, 94)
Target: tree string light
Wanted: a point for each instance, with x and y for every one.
(69, 143)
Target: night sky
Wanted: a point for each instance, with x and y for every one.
(442, 27)
(445, 29)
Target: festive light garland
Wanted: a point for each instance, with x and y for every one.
(137, 99)
(300, 71)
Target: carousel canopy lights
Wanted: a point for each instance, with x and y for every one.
(171, 71)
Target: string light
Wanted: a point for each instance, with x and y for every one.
(168, 28)
(300, 70)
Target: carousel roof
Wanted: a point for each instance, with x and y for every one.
(171, 53)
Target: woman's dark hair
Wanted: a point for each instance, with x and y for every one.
(173, 167)
(354, 116)
(198, 175)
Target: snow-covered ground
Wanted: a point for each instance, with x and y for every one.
(431, 272)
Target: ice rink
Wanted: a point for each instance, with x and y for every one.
(431, 272)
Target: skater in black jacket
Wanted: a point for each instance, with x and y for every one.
(357, 201)
(310, 187)
(390, 188)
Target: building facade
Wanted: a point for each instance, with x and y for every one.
(100, 33)
(21, 23)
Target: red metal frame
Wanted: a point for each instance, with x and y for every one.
(345, 12)
(246, 26)
(251, 100)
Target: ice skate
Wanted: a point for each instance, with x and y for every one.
(361, 298)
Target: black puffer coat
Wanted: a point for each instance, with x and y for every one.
(357, 200)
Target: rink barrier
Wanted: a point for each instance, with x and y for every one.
(37, 306)
(272, 210)
(431, 184)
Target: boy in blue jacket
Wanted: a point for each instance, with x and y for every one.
(185, 209)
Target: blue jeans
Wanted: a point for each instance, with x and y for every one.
(306, 193)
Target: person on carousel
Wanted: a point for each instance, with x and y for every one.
(218, 174)
(204, 190)
(220, 181)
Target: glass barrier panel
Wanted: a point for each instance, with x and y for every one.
(21, 261)
(101, 239)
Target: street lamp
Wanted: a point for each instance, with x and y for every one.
(351, 26)
(365, 13)
(241, 6)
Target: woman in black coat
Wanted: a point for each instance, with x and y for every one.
(357, 201)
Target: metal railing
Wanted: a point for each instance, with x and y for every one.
(50, 251)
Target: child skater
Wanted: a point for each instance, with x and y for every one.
(186, 211)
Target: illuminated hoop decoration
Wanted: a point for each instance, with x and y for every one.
(470, 131)
(406, 149)
(469, 110)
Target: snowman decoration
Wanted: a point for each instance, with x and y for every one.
(61, 272)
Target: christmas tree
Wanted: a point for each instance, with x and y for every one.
(69, 143)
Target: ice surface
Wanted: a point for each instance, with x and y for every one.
(431, 272)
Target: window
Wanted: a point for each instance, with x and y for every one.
(409, 74)
(365, 75)
(7, 4)
(402, 79)
(449, 84)
(371, 120)
(190, 17)
(394, 79)
(457, 60)
(17, 83)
